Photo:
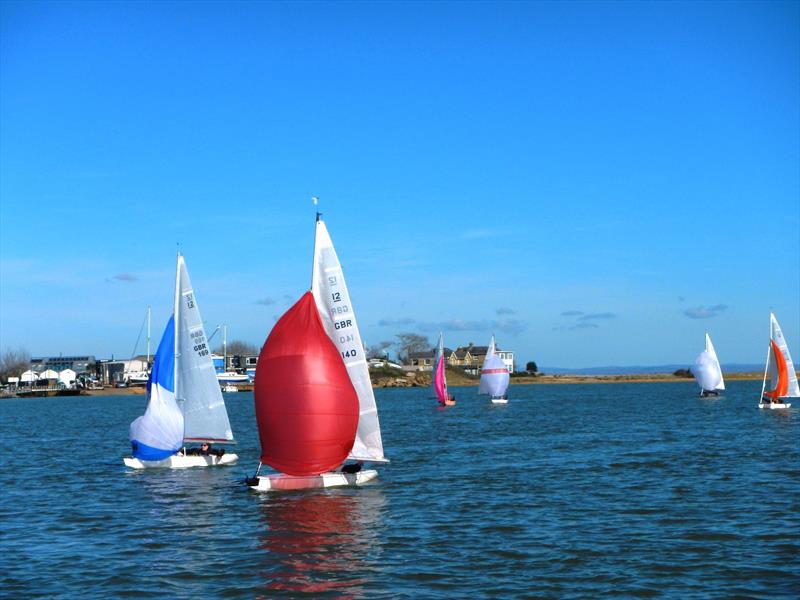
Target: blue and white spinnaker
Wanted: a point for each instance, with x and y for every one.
(158, 433)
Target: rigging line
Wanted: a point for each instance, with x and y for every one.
(139, 337)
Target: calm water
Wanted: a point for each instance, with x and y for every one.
(568, 491)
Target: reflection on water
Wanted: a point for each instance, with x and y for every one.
(317, 542)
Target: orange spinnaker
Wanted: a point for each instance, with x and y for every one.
(783, 374)
(306, 406)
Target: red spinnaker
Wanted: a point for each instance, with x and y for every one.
(306, 406)
(782, 385)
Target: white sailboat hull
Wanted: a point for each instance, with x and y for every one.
(774, 405)
(499, 400)
(282, 482)
(179, 461)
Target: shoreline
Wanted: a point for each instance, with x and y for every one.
(460, 381)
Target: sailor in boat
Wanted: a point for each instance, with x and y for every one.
(205, 450)
(352, 467)
(707, 393)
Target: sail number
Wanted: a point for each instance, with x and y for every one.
(198, 339)
(349, 353)
(339, 310)
(189, 301)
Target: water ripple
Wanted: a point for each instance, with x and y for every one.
(566, 492)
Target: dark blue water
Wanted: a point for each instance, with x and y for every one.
(568, 491)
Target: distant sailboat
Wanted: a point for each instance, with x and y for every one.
(783, 378)
(315, 406)
(494, 376)
(440, 376)
(184, 399)
(707, 372)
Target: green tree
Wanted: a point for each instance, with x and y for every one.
(531, 367)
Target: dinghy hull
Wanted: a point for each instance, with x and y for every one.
(281, 482)
(774, 405)
(179, 461)
(499, 400)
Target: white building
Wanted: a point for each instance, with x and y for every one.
(508, 358)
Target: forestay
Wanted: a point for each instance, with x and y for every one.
(780, 360)
(158, 433)
(339, 320)
(197, 388)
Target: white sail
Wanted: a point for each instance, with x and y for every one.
(158, 433)
(705, 371)
(495, 376)
(776, 335)
(338, 317)
(197, 389)
(490, 382)
(719, 384)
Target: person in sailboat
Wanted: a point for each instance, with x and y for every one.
(205, 449)
(352, 468)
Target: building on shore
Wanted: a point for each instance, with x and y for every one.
(79, 364)
(469, 358)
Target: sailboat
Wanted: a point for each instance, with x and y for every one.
(494, 376)
(184, 400)
(783, 378)
(315, 407)
(440, 376)
(707, 372)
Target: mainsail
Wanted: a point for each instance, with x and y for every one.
(306, 406)
(197, 388)
(783, 378)
(439, 375)
(494, 374)
(339, 320)
(158, 433)
(706, 369)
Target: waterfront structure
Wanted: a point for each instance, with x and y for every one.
(471, 357)
(79, 364)
(423, 361)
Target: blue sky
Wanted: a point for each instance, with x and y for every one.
(596, 183)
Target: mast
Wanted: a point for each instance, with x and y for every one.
(766, 364)
(315, 200)
(225, 348)
(175, 308)
(148, 337)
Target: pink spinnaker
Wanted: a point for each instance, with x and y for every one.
(439, 384)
